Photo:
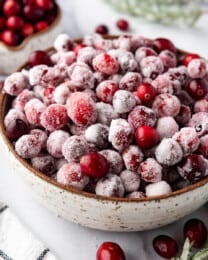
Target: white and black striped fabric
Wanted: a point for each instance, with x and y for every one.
(16, 242)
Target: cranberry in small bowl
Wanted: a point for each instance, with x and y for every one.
(88, 139)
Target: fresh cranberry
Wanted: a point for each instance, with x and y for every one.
(165, 246)
(2, 22)
(101, 29)
(78, 47)
(94, 164)
(32, 14)
(28, 2)
(11, 7)
(14, 22)
(10, 38)
(146, 93)
(122, 24)
(146, 137)
(196, 231)
(39, 57)
(161, 44)
(197, 88)
(110, 251)
(44, 4)
(41, 26)
(189, 57)
(27, 29)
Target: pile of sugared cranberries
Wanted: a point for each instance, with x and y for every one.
(19, 19)
(122, 117)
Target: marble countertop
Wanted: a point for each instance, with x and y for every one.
(67, 240)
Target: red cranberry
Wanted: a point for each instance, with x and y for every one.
(197, 88)
(32, 14)
(78, 47)
(2, 22)
(94, 164)
(41, 26)
(161, 44)
(27, 29)
(122, 24)
(196, 231)
(14, 22)
(39, 57)
(165, 246)
(10, 37)
(101, 29)
(189, 57)
(110, 251)
(146, 93)
(146, 137)
(44, 4)
(11, 7)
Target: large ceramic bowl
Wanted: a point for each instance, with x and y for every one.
(117, 214)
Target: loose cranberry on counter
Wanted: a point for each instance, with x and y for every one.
(39, 57)
(161, 44)
(189, 57)
(165, 246)
(102, 29)
(122, 24)
(110, 251)
(196, 231)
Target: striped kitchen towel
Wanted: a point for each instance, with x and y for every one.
(16, 242)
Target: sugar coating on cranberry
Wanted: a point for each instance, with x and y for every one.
(120, 134)
(180, 73)
(110, 186)
(201, 105)
(150, 170)
(36, 73)
(188, 139)
(199, 121)
(114, 159)
(130, 81)
(63, 43)
(142, 115)
(143, 52)
(184, 115)
(105, 63)
(105, 113)
(98, 135)
(123, 42)
(168, 58)
(60, 162)
(74, 147)
(131, 180)
(168, 152)
(44, 163)
(197, 68)
(157, 189)
(81, 109)
(151, 66)
(136, 195)
(123, 101)
(86, 55)
(132, 157)
(54, 117)
(77, 129)
(15, 83)
(203, 147)
(106, 90)
(41, 135)
(61, 93)
(15, 123)
(20, 101)
(33, 111)
(28, 146)
(166, 105)
(55, 142)
(166, 126)
(70, 175)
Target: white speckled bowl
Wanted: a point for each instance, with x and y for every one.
(117, 214)
(13, 57)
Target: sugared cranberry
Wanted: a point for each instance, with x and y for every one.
(130, 179)
(146, 137)
(11, 7)
(143, 52)
(189, 57)
(157, 188)
(39, 57)
(161, 44)
(27, 29)
(132, 157)
(44, 163)
(197, 68)
(184, 115)
(110, 251)
(78, 47)
(14, 22)
(94, 165)
(44, 4)
(105, 90)
(122, 24)
(150, 170)
(146, 93)
(197, 88)
(105, 63)
(41, 26)
(101, 29)
(196, 231)
(165, 246)
(10, 37)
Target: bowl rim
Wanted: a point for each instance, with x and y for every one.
(36, 34)
(4, 98)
